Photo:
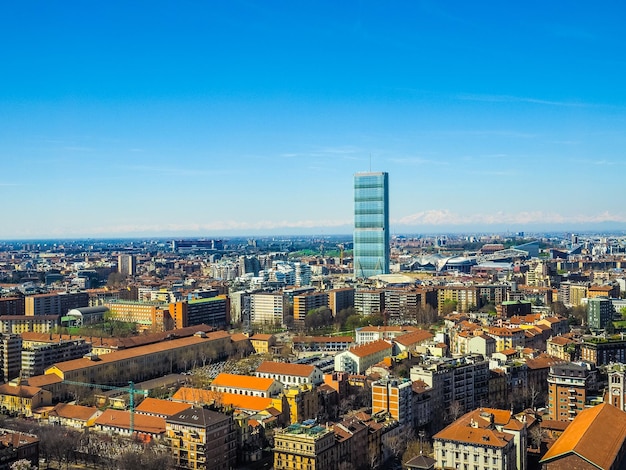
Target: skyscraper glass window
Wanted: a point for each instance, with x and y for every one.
(371, 224)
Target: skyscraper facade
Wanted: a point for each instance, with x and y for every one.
(371, 224)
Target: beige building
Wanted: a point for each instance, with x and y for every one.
(484, 439)
(202, 439)
(144, 362)
(358, 359)
(299, 447)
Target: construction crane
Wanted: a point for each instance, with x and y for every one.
(131, 390)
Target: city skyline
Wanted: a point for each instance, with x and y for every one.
(156, 119)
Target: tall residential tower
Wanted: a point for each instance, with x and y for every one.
(371, 224)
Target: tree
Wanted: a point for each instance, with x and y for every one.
(579, 313)
(455, 410)
(448, 306)
(560, 309)
(536, 436)
(416, 447)
(22, 464)
(534, 393)
(397, 444)
(609, 329)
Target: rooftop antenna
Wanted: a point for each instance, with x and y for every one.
(370, 162)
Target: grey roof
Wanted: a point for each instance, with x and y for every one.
(198, 417)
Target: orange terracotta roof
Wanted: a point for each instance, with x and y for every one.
(370, 348)
(475, 428)
(158, 407)
(560, 340)
(261, 337)
(244, 382)
(496, 331)
(23, 391)
(543, 361)
(43, 380)
(471, 435)
(285, 368)
(77, 412)
(81, 363)
(414, 337)
(588, 438)
(246, 402)
(142, 423)
(238, 337)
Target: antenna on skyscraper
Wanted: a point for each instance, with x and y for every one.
(370, 162)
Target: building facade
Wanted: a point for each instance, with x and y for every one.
(371, 224)
(202, 439)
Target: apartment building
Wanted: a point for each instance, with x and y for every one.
(568, 387)
(202, 439)
(127, 265)
(358, 359)
(304, 303)
(406, 304)
(268, 308)
(16, 324)
(599, 313)
(305, 446)
(213, 311)
(147, 315)
(464, 296)
(483, 439)
(369, 302)
(54, 303)
(394, 396)
(12, 306)
(368, 334)
(37, 357)
(340, 299)
(458, 385)
(601, 351)
(11, 355)
(507, 338)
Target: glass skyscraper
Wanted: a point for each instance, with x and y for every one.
(371, 224)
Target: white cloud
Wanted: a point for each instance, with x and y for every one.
(446, 217)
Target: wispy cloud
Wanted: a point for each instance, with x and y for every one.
(344, 151)
(601, 162)
(215, 227)
(510, 172)
(519, 99)
(173, 171)
(78, 149)
(417, 161)
(447, 217)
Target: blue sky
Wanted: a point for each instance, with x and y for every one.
(223, 118)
